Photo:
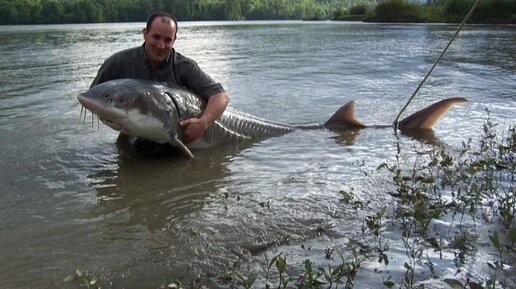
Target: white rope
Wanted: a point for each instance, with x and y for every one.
(437, 61)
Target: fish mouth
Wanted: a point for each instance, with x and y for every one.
(101, 109)
(108, 122)
(90, 104)
(105, 114)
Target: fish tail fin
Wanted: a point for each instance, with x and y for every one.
(430, 115)
(344, 117)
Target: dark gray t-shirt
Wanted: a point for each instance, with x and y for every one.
(177, 69)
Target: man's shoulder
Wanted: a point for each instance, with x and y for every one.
(125, 55)
(182, 60)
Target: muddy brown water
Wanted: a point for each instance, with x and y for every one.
(70, 198)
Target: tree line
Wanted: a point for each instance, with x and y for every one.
(96, 11)
(100, 11)
(449, 11)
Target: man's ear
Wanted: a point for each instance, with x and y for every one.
(145, 33)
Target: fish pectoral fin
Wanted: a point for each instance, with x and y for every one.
(427, 117)
(180, 145)
(344, 117)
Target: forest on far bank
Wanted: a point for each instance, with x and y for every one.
(100, 11)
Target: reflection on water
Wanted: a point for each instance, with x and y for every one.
(346, 136)
(157, 190)
(423, 135)
(71, 197)
(146, 202)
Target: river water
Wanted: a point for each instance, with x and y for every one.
(69, 197)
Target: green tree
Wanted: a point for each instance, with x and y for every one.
(8, 13)
(398, 11)
(460, 7)
(306, 9)
(248, 6)
(233, 10)
(110, 9)
(51, 11)
(28, 11)
(490, 10)
(87, 12)
(358, 10)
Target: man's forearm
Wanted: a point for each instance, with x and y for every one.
(215, 107)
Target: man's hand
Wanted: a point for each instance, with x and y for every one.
(193, 128)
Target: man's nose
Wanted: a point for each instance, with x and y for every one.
(161, 43)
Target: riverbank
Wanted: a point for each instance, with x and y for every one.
(447, 11)
(104, 11)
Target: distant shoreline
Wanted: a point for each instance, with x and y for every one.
(508, 22)
(388, 11)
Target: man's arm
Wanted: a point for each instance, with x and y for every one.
(107, 71)
(194, 128)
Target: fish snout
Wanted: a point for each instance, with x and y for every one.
(81, 98)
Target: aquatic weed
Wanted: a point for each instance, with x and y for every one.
(470, 183)
(83, 279)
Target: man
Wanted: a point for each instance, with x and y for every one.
(157, 60)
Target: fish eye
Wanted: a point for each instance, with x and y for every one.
(106, 96)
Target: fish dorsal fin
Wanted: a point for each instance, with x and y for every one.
(344, 117)
(181, 146)
(427, 117)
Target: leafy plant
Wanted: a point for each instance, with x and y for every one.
(84, 279)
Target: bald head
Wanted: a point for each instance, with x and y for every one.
(163, 18)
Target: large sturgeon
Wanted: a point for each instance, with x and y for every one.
(153, 111)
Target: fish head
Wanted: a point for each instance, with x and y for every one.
(135, 108)
(108, 104)
(138, 108)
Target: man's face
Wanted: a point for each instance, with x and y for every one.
(159, 39)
